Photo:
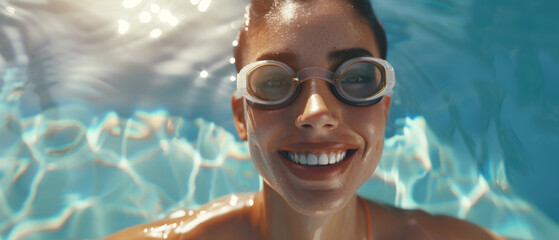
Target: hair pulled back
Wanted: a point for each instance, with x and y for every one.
(259, 8)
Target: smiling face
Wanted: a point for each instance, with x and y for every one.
(340, 144)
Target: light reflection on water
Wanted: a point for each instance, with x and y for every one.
(106, 123)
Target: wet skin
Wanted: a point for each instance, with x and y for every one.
(299, 202)
(246, 219)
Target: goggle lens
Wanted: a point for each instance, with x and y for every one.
(269, 82)
(361, 79)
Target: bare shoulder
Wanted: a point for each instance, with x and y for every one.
(395, 223)
(228, 217)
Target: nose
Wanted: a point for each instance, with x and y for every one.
(319, 112)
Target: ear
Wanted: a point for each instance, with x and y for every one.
(237, 104)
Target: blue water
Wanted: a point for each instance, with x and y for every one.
(116, 112)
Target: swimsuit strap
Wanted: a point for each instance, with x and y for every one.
(367, 218)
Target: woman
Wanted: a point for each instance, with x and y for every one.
(312, 102)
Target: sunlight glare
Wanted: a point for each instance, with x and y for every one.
(123, 26)
(204, 74)
(131, 3)
(204, 5)
(155, 8)
(164, 15)
(10, 10)
(173, 21)
(145, 17)
(155, 33)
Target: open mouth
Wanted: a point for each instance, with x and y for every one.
(317, 158)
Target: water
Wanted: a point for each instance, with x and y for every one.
(114, 113)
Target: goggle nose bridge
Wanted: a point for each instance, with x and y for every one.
(313, 73)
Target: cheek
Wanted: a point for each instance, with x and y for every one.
(369, 123)
(263, 128)
(375, 135)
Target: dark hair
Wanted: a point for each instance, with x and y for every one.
(363, 7)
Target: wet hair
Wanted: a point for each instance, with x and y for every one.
(362, 7)
(365, 9)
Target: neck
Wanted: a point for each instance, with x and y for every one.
(277, 220)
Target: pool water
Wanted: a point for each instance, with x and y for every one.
(116, 112)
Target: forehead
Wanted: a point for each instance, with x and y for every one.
(309, 31)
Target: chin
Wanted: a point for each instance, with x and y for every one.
(319, 203)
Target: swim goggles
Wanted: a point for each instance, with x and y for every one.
(359, 81)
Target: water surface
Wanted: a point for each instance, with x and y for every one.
(115, 113)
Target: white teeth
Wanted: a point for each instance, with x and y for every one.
(323, 159)
(293, 157)
(302, 159)
(313, 159)
(332, 159)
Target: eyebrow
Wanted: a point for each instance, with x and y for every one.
(337, 57)
(284, 57)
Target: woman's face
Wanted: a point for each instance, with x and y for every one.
(322, 34)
